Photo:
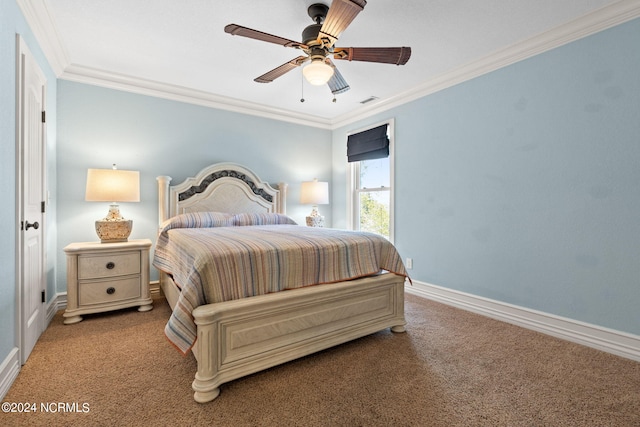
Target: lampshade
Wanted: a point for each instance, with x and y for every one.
(113, 185)
(317, 72)
(314, 193)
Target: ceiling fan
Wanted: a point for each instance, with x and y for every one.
(318, 44)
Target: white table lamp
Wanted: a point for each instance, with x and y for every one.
(314, 193)
(113, 185)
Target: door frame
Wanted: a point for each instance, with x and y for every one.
(23, 50)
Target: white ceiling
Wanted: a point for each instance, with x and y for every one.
(180, 46)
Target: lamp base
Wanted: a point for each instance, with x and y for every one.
(315, 221)
(110, 231)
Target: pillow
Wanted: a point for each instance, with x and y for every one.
(198, 220)
(261, 219)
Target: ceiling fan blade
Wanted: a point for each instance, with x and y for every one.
(340, 15)
(337, 83)
(238, 30)
(281, 70)
(385, 55)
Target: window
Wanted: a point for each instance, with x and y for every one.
(370, 156)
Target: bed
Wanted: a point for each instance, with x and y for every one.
(234, 333)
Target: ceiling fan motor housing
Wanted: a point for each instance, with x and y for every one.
(310, 34)
(318, 12)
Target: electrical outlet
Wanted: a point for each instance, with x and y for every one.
(409, 263)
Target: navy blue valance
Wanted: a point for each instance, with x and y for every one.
(368, 145)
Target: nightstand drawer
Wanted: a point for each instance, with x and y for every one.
(93, 266)
(109, 291)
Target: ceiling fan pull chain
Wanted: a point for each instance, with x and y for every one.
(301, 87)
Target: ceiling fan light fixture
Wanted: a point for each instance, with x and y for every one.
(317, 72)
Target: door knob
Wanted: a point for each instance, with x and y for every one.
(35, 225)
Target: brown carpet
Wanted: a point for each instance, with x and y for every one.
(451, 368)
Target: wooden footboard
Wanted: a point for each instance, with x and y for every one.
(241, 337)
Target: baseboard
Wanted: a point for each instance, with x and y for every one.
(59, 302)
(9, 370)
(616, 342)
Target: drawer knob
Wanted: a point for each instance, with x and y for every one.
(110, 265)
(111, 290)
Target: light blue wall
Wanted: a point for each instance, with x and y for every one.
(98, 127)
(11, 23)
(523, 185)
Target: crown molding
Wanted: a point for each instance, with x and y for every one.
(42, 24)
(594, 22)
(96, 77)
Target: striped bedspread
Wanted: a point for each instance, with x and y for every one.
(231, 260)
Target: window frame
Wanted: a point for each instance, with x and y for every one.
(353, 178)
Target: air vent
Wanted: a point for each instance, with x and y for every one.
(368, 100)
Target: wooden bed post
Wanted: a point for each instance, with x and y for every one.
(205, 385)
(282, 200)
(163, 198)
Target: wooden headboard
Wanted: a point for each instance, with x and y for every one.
(222, 187)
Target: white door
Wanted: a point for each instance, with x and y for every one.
(31, 200)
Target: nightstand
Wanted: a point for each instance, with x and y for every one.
(106, 276)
